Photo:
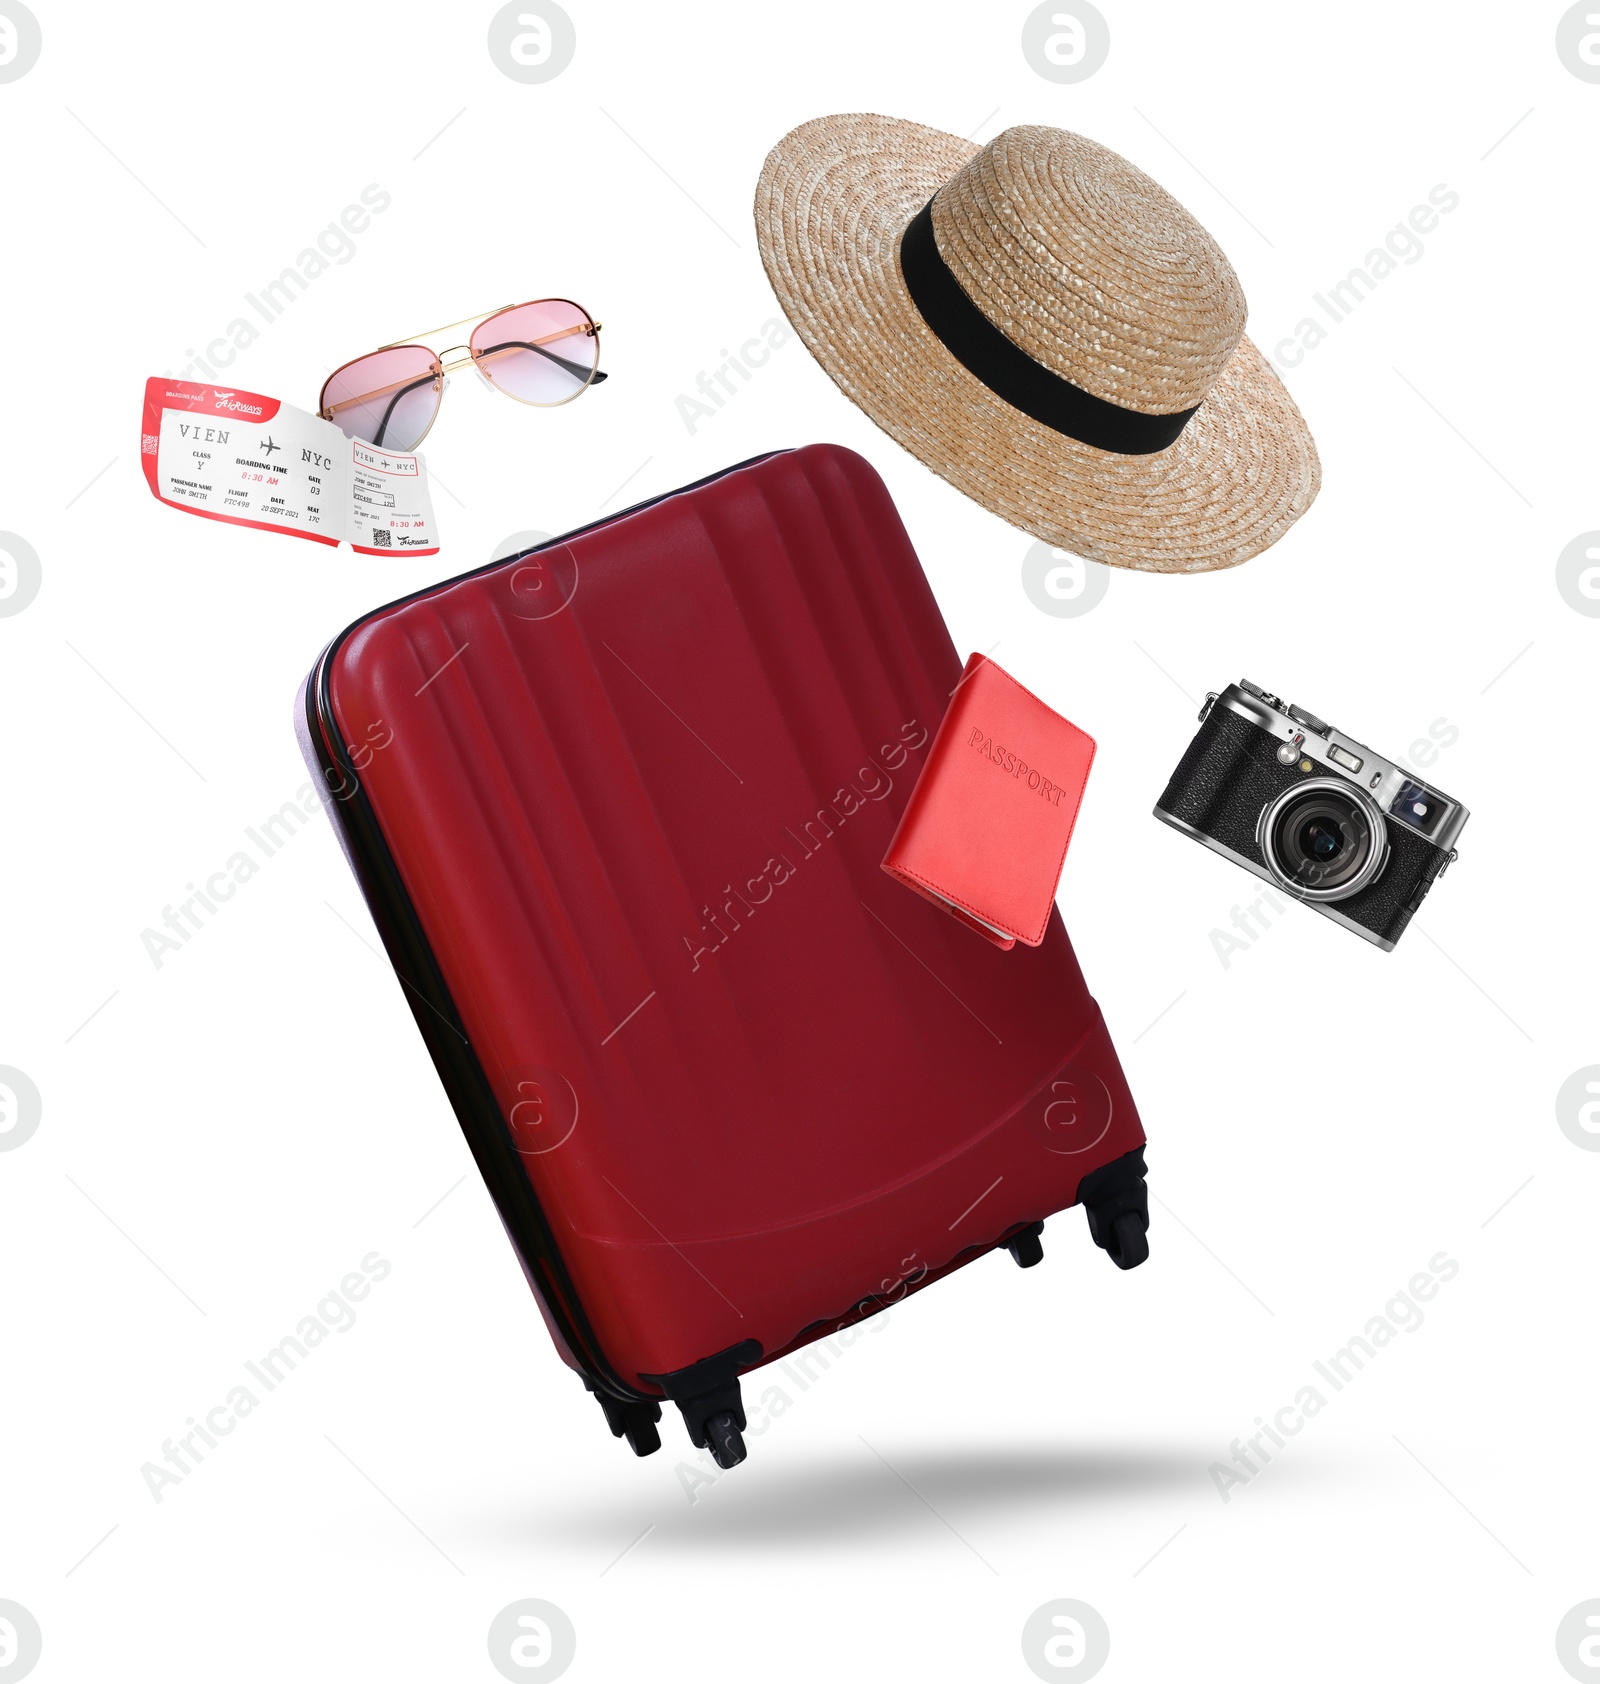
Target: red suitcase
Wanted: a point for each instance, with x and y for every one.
(617, 806)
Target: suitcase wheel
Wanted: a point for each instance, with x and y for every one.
(1117, 1203)
(1130, 1245)
(724, 1440)
(708, 1397)
(634, 1420)
(642, 1437)
(1025, 1248)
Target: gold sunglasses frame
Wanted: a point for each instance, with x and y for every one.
(477, 359)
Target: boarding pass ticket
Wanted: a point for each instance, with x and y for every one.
(241, 457)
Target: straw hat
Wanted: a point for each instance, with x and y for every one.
(1079, 289)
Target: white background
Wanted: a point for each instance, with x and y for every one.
(257, 1114)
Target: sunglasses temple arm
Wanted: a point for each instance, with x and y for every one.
(383, 425)
(571, 367)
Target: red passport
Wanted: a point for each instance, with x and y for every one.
(985, 833)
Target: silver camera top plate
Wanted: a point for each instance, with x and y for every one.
(1337, 755)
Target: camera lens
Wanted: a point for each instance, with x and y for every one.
(1320, 839)
(1324, 840)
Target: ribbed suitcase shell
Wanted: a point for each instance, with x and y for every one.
(727, 1080)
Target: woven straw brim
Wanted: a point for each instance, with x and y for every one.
(833, 199)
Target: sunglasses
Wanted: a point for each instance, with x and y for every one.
(542, 353)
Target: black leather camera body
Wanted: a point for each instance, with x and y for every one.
(1320, 816)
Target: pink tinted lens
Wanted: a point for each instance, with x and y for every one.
(540, 353)
(388, 399)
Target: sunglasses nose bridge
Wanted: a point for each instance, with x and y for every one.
(445, 365)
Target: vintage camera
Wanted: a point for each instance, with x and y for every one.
(1322, 818)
